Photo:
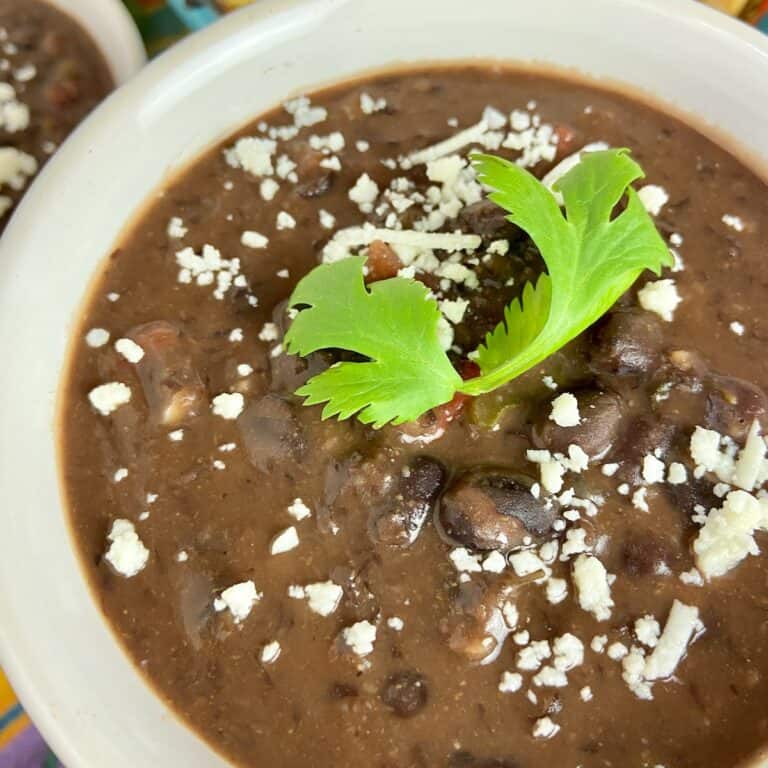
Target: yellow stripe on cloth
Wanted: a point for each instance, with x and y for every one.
(8, 705)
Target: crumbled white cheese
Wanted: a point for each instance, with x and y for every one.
(236, 335)
(557, 590)
(25, 73)
(341, 244)
(239, 599)
(269, 332)
(511, 616)
(284, 541)
(176, 228)
(633, 673)
(692, 578)
(545, 728)
(510, 682)
(270, 652)
(575, 543)
(360, 637)
(251, 239)
(14, 114)
(522, 638)
(207, 268)
(453, 309)
(609, 470)
(568, 652)
(529, 658)
(734, 222)
(653, 469)
(550, 677)
(737, 328)
(727, 536)
(639, 500)
(494, 563)
(15, 168)
(660, 297)
(107, 398)
(681, 625)
(465, 562)
(647, 631)
(130, 350)
(323, 597)
(364, 193)
(298, 510)
(228, 405)
(327, 220)
(285, 221)
(268, 189)
(97, 337)
(253, 154)
(244, 369)
(585, 693)
(598, 643)
(653, 198)
(395, 623)
(676, 474)
(617, 651)
(526, 562)
(565, 410)
(120, 474)
(369, 105)
(449, 146)
(749, 464)
(592, 587)
(126, 554)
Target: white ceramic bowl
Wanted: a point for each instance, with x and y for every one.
(77, 683)
(111, 27)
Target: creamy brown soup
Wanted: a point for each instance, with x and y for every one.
(320, 593)
(51, 76)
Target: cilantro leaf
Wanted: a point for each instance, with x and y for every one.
(393, 322)
(591, 258)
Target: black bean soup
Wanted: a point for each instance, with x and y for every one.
(566, 572)
(51, 76)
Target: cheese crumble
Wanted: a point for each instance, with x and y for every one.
(592, 587)
(660, 297)
(130, 350)
(127, 553)
(228, 405)
(360, 637)
(239, 599)
(565, 410)
(107, 398)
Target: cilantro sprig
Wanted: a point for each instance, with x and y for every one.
(592, 257)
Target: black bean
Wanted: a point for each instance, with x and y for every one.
(399, 520)
(732, 405)
(270, 432)
(645, 435)
(601, 414)
(627, 342)
(488, 509)
(405, 693)
(488, 220)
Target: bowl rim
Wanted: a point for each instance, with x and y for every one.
(187, 53)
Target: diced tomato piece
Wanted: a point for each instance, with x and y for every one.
(382, 262)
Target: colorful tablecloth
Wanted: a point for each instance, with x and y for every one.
(162, 22)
